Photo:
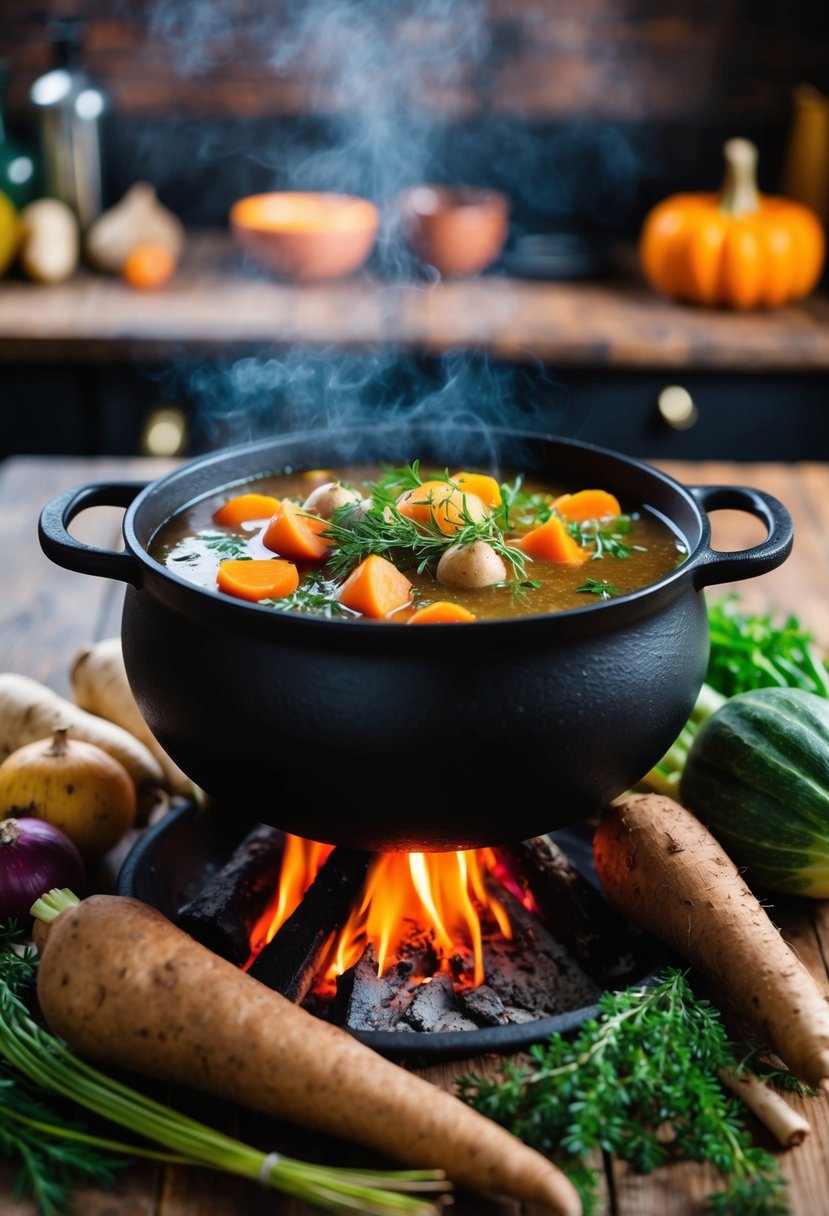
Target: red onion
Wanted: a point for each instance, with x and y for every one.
(34, 857)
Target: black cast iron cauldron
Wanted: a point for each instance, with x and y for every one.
(384, 737)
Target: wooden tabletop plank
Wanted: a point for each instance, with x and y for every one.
(46, 613)
(217, 305)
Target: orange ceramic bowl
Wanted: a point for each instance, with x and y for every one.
(457, 229)
(304, 237)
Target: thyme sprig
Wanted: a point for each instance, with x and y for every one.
(53, 1154)
(647, 1063)
(605, 537)
(599, 587)
(315, 596)
(382, 529)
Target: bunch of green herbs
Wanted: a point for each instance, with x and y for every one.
(40, 1075)
(639, 1081)
(748, 651)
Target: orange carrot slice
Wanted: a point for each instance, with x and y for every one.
(244, 508)
(293, 534)
(587, 504)
(552, 543)
(442, 612)
(443, 502)
(258, 579)
(375, 588)
(484, 487)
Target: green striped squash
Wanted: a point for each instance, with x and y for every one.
(757, 775)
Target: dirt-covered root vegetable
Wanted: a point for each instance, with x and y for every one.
(122, 985)
(469, 566)
(30, 711)
(663, 870)
(74, 785)
(327, 498)
(100, 686)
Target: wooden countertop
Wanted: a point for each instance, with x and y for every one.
(46, 613)
(216, 306)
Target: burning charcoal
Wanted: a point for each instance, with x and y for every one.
(224, 913)
(484, 1006)
(453, 1021)
(532, 970)
(518, 1017)
(431, 1002)
(292, 958)
(574, 910)
(364, 999)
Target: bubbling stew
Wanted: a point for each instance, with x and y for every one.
(416, 546)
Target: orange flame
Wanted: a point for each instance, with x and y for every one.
(443, 894)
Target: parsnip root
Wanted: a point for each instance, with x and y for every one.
(664, 871)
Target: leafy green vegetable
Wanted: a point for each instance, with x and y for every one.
(648, 1062)
(748, 650)
(53, 1154)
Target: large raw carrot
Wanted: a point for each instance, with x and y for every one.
(551, 542)
(257, 579)
(245, 508)
(441, 612)
(664, 870)
(375, 588)
(587, 504)
(291, 533)
(122, 985)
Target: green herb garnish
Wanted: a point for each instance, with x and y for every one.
(225, 546)
(521, 510)
(605, 538)
(600, 587)
(53, 1153)
(315, 596)
(648, 1062)
(383, 530)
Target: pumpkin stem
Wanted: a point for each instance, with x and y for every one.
(58, 746)
(739, 188)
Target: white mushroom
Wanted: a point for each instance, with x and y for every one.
(473, 565)
(325, 499)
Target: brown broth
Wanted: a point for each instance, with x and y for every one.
(192, 546)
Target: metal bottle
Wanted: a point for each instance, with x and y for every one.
(71, 107)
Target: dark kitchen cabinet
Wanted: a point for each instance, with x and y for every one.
(104, 410)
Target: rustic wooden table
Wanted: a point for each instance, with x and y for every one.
(46, 613)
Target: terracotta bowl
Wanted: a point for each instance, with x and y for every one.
(305, 237)
(457, 229)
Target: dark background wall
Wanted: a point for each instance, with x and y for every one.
(586, 111)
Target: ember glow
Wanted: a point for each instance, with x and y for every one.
(443, 894)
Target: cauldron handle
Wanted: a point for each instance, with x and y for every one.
(72, 554)
(713, 566)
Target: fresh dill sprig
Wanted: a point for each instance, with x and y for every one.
(384, 530)
(599, 587)
(315, 596)
(605, 538)
(225, 546)
(648, 1061)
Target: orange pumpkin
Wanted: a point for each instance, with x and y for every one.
(739, 248)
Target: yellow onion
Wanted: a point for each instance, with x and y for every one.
(74, 785)
(34, 857)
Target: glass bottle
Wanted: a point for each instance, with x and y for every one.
(18, 171)
(71, 107)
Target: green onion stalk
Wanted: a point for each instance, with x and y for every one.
(47, 1063)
